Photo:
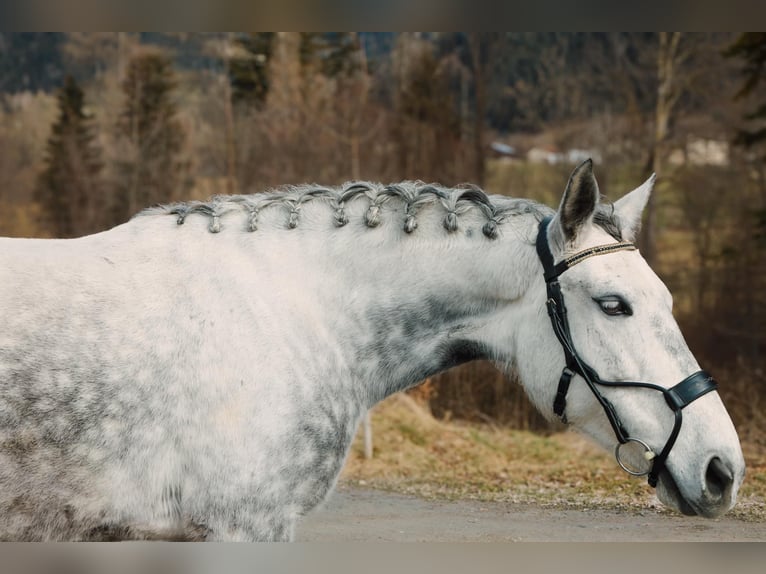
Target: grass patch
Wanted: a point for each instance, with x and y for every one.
(417, 454)
(411, 434)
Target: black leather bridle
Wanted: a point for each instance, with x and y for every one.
(677, 397)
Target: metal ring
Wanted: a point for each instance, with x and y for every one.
(622, 465)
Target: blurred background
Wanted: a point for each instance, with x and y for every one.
(96, 126)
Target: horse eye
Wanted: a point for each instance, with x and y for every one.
(614, 306)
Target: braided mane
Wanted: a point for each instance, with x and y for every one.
(414, 195)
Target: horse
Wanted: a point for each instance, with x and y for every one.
(200, 371)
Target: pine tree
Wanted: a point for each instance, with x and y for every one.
(248, 69)
(152, 170)
(30, 61)
(69, 189)
(751, 47)
(332, 53)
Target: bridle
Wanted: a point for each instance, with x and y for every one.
(677, 397)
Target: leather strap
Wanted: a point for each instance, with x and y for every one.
(551, 271)
(560, 402)
(543, 251)
(690, 389)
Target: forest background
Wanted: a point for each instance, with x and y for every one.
(96, 126)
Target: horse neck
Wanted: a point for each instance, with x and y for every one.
(418, 304)
(377, 308)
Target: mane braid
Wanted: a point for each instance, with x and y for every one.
(413, 195)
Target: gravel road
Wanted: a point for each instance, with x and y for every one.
(355, 514)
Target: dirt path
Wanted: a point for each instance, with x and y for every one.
(354, 514)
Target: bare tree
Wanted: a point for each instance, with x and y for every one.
(226, 51)
(683, 61)
(479, 43)
(352, 110)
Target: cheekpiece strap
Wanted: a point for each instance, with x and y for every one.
(543, 251)
(560, 402)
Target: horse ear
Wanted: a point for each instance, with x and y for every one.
(579, 201)
(630, 207)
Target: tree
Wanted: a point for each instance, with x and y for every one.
(670, 58)
(333, 53)
(152, 170)
(745, 253)
(751, 47)
(426, 128)
(30, 61)
(69, 189)
(688, 67)
(248, 68)
(480, 44)
(90, 54)
(350, 120)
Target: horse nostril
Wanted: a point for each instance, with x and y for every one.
(718, 478)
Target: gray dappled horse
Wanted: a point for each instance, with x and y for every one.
(201, 370)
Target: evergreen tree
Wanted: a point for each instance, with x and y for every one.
(332, 53)
(69, 189)
(248, 69)
(751, 47)
(152, 170)
(30, 61)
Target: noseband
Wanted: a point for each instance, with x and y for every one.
(677, 397)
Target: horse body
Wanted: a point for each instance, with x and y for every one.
(159, 379)
(162, 372)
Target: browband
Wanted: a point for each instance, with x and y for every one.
(553, 271)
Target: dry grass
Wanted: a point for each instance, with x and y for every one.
(418, 454)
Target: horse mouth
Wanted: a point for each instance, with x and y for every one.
(716, 496)
(669, 493)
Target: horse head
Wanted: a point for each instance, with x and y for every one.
(611, 360)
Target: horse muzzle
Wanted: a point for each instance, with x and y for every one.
(711, 493)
